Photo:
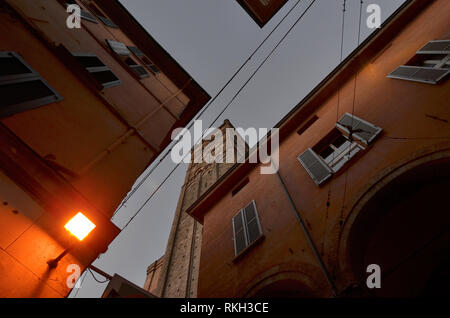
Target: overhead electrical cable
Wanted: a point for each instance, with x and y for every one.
(135, 188)
(229, 103)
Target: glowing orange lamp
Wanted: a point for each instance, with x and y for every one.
(80, 227)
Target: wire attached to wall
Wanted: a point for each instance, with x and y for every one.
(344, 10)
(95, 278)
(341, 216)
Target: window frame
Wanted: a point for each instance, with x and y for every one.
(99, 14)
(97, 69)
(134, 67)
(10, 110)
(140, 55)
(122, 52)
(341, 154)
(356, 143)
(248, 244)
(439, 64)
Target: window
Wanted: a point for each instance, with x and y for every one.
(339, 151)
(430, 65)
(22, 88)
(97, 69)
(102, 17)
(137, 69)
(124, 54)
(155, 70)
(246, 228)
(138, 53)
(328, 156)
(118, 48)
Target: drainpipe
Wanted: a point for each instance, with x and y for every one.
(308, 236)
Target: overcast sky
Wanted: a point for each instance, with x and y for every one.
(211, 39)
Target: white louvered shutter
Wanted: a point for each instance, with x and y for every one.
(429, 75)
(436, 47)
(239, 235)
(252, 223)
(118, 47)
(362, 130)
(315, 166)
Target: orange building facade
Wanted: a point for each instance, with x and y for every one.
(83, 112)
(363, 176)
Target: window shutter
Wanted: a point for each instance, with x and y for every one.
(314, 165)
(108, 22)
(252, 222)
(87, 16)
(98, 70)
(429, 75)
(136, 51)
(240, 239)
(362, 130)
(118, 47)
(436, 47)
(139, 71)
(21, 87)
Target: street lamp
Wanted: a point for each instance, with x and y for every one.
(80, 227)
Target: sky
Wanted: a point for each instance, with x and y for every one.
(211, 39)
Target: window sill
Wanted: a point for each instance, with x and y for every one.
(248, 248)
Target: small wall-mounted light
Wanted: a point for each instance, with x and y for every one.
(80, 227)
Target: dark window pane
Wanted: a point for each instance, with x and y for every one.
(105, 77)
(250, 212)
(326, 152)
(253, 231)
(339, 141)
(130, 61)
(12, 66)
(153, 68)
(136, 51)
(140, 71)
(237, 220)
(240, 242)
(89, 61)
(12, 94)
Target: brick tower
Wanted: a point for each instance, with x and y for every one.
(179, 272)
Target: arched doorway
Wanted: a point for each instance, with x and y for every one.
(405, 229)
